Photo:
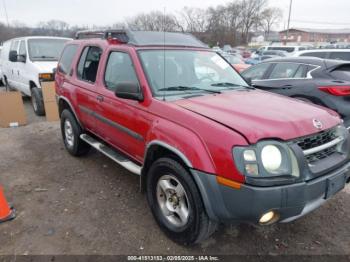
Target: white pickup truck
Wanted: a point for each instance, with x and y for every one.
(28, 61)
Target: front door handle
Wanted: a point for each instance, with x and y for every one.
(100, 98)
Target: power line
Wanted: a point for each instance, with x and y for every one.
(319, 22)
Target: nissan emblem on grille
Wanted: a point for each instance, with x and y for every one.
(317, 123)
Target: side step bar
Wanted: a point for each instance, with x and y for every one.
(112, 154)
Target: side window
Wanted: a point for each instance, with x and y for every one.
(88, 63)
(22, 49)
(284, 70)
(340, 56)
(315, 54)
(257, 72)
(301, 72)
(67, 57)
(119, 69)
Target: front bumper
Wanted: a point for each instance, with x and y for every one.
(249, 203)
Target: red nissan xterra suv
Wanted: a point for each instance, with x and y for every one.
(207, 147)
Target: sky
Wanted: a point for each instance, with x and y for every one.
(305, 13)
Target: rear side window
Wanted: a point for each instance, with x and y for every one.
(287, 70)
(316, 54)
(67, 57)
(257, 72)
(342, 73)
(88, 63)
(340, 56)
(119, 69)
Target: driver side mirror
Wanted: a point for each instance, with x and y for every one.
(13, 56)
(129, 90)
(21, 58)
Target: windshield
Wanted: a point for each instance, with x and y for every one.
(188, 71)
(45, 49)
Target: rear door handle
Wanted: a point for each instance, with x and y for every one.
(100, 98)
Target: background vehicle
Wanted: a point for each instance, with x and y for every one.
(27, 61)
(338, 54)
(265, 56)
(288, 49)
(319, 81)
(178, 115)
(236, 62)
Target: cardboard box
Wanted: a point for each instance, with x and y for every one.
(12, 112)
(50, 104)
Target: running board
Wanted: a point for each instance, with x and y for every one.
(112, 154)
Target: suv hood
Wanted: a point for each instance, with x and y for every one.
(45, 66)
(259, 115)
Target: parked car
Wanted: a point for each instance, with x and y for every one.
(265, 56)
(1, 75)
(314, 80)
(207, 147)
(27, 61)
(338, 54)
(236, 62)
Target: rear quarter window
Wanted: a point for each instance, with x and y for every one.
(67, 57)
(342, 73)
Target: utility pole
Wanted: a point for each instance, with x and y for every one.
(290, 12)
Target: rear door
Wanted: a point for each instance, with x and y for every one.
(86, 95)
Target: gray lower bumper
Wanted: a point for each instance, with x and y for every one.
(247, 204)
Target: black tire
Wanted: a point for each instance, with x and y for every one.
(75, 146)
(37, 101)
(198, 226)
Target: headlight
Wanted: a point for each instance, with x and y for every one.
(271, 158)
(266, 159)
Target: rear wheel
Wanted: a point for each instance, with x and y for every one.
(37, 101)
(71, 132)
(176, 203)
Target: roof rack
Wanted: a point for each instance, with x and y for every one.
(143, 38)
(116, 34)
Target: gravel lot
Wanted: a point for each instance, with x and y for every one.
(90, 205)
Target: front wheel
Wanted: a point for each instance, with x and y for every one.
(176, 203)
(37, 101)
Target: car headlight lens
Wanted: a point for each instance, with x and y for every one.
(271, 158)
(266, 159)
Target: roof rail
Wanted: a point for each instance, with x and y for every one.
(116, 34)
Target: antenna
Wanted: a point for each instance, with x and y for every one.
(5, 10)
(164, 55)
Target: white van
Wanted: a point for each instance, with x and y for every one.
(28, 61)
(338, 54)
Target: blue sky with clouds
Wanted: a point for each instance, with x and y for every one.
(306, 13)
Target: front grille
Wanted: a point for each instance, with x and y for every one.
(317, 140)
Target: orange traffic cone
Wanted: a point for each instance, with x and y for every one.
(6, 212)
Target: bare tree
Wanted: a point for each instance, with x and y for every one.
(251, 13)
(270, 17)
(195, 19)
(155, 21)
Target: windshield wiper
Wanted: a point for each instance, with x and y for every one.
(182, 88)
(228, 84)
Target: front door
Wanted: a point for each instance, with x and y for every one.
(120, 121)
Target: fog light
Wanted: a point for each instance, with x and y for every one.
(267, 218)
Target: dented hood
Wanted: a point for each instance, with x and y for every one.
(260, 115)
